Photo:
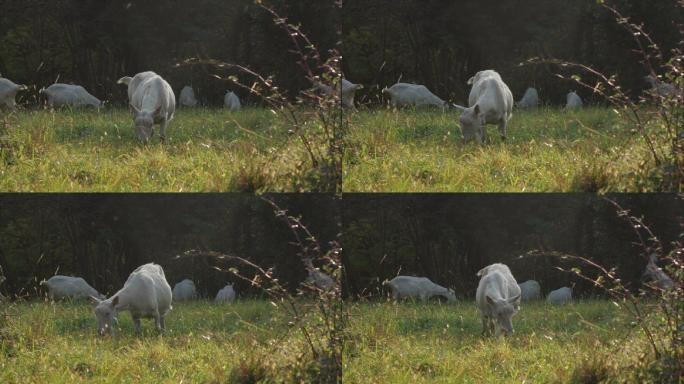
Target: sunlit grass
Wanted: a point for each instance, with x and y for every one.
(548, 150)
(57, 343)
(432, 343)
(206, 150)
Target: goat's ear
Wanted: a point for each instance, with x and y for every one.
(477, 109)
(115, 301)
(133, 109)
(94, 300)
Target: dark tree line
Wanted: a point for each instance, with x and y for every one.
(93, 43)
(442, 44)
(102, 238)
(448, 238)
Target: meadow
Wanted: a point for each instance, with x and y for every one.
(207, 150)
(43, 342)
(432, 343)
(547, 150)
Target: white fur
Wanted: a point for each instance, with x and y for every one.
(559, 296)
(317, 278)
(232, 101)
(531, 290)
(187, 97)
(573, 101)
(67, 95)
(8, 93)
(529, 100)
(152, 102)
(61, 287)
(498, 298)
(655, 274)
(185, 290)
(418, 287)
(490, 102)
(146, 294)
(347, 92)
(225, 295)
(660, 88)
(404, 94)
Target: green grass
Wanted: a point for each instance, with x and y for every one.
(547, 150)
(57, 343)
(206, 150)
(431, 343)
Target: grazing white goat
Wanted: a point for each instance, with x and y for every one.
(529, 100)
(60, 287)
(8, 93)
(187, 97)
(132, 83)
(559, 296)
(152, 102)
(660, 88)
(531, 290)
(422, 288)
(655, 274)
(498, 298)
(146, 294)
(347, 92)
(67, 95)
(490, 102)
(573, 101)
(404, 94)
(184, 291)
(317, 278)
(232, 101)
(225, 295)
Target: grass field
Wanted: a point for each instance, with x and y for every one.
(206, 150)
(548, 150)
(57, 343)
(431, 343)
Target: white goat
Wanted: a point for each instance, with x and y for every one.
(422, 288)
(184, 291)
(490, 102)
(531, 290)
(225, 295)
(232, 101)
(660, 88)
(529, 100)
(655, 274)
(67, 95)
(60, 287)
(152, 102)
(8, 93)
(404, 94)
(573, 101)
(498, 298)
(146, 294)
(559, 296)
(187, 97)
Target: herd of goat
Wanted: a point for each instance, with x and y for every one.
(152, 100)
(499, 295)
(147, 294)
